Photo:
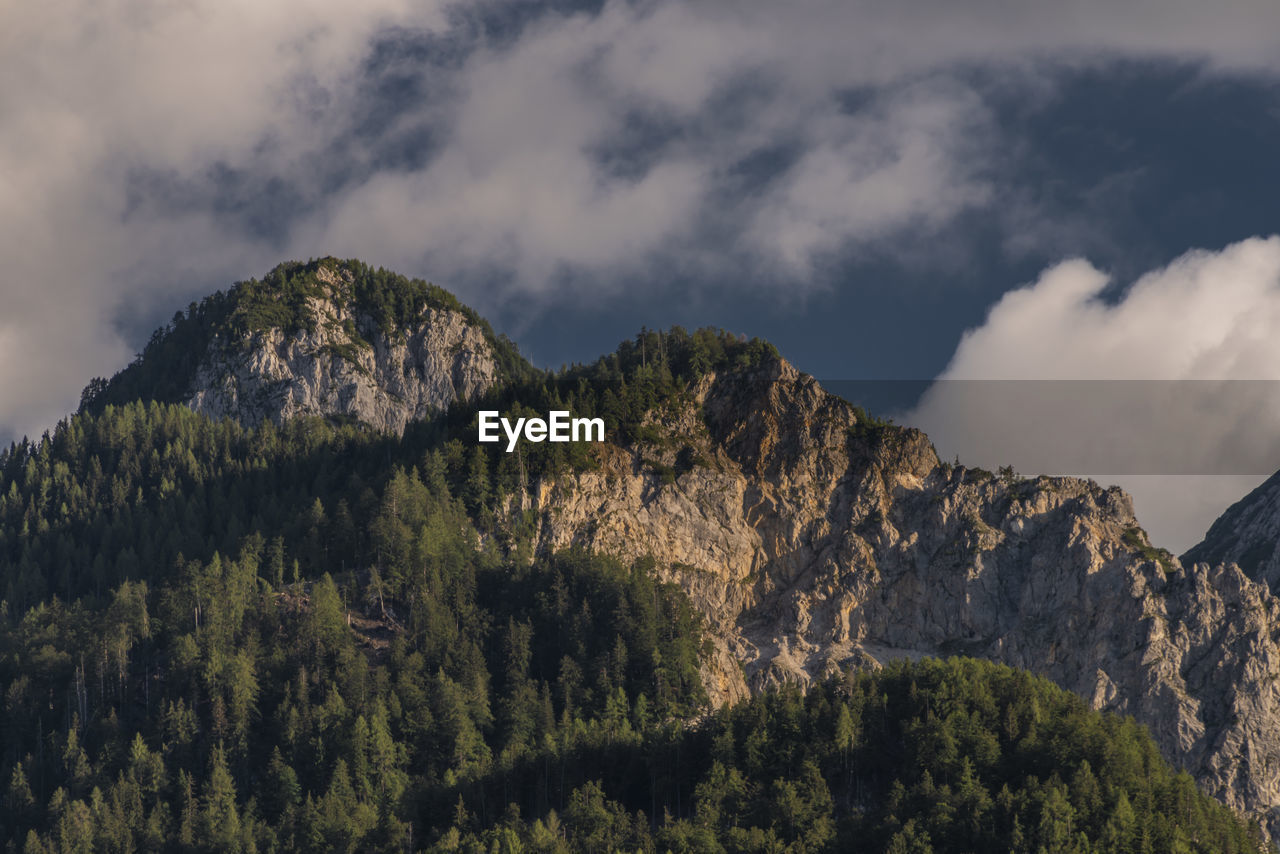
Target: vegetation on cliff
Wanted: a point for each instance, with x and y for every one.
(166, 368)
(318, 637)
(226, 639)
(652, 373)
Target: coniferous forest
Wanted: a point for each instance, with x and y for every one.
(311, 637)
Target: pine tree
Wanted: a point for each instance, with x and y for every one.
(219, 819)
(281, 790)
(19, 799)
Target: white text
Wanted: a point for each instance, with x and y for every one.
(556, 427)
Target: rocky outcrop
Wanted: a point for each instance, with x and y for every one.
(814, 540)
(341, 364)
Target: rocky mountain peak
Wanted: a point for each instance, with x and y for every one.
(330, 338)
(815, 538)
(767, 418)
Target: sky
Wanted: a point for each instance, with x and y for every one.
(918, 190)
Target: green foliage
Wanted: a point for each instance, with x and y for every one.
(643, 379)
(934, 756)
(1009, 477)
(285, 638)
(220, 714)
(1136, 539)
(123, 494)
(867, 426)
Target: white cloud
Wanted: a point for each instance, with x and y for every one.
(518, 186)
(1180, 375)
(1207, 315)
(911, 160)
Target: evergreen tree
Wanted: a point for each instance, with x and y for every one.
(219, 825)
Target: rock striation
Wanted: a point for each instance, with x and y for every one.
(814, 540)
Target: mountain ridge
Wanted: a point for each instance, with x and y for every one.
(326, 337)
(813, 538)
(817, 544)
(1246, 534)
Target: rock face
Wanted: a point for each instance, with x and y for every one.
(814, 540)
(384, 379)
(1247, 534)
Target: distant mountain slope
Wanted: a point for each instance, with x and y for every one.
(1247, 534)
(331, 338)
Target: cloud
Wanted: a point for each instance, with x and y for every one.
(152, 151)
(514, 187)
(520, 183)
(910, 159)
(518, 192)
(1207, 315)
(1178, 375)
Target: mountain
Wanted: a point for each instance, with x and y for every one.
(328, 338)
(1247, 534)
(814, 539)
(266, 590)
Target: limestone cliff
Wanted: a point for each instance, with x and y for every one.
(814, 540)
(329, 338)
(383, 379)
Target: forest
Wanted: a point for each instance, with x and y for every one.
(314, 637)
